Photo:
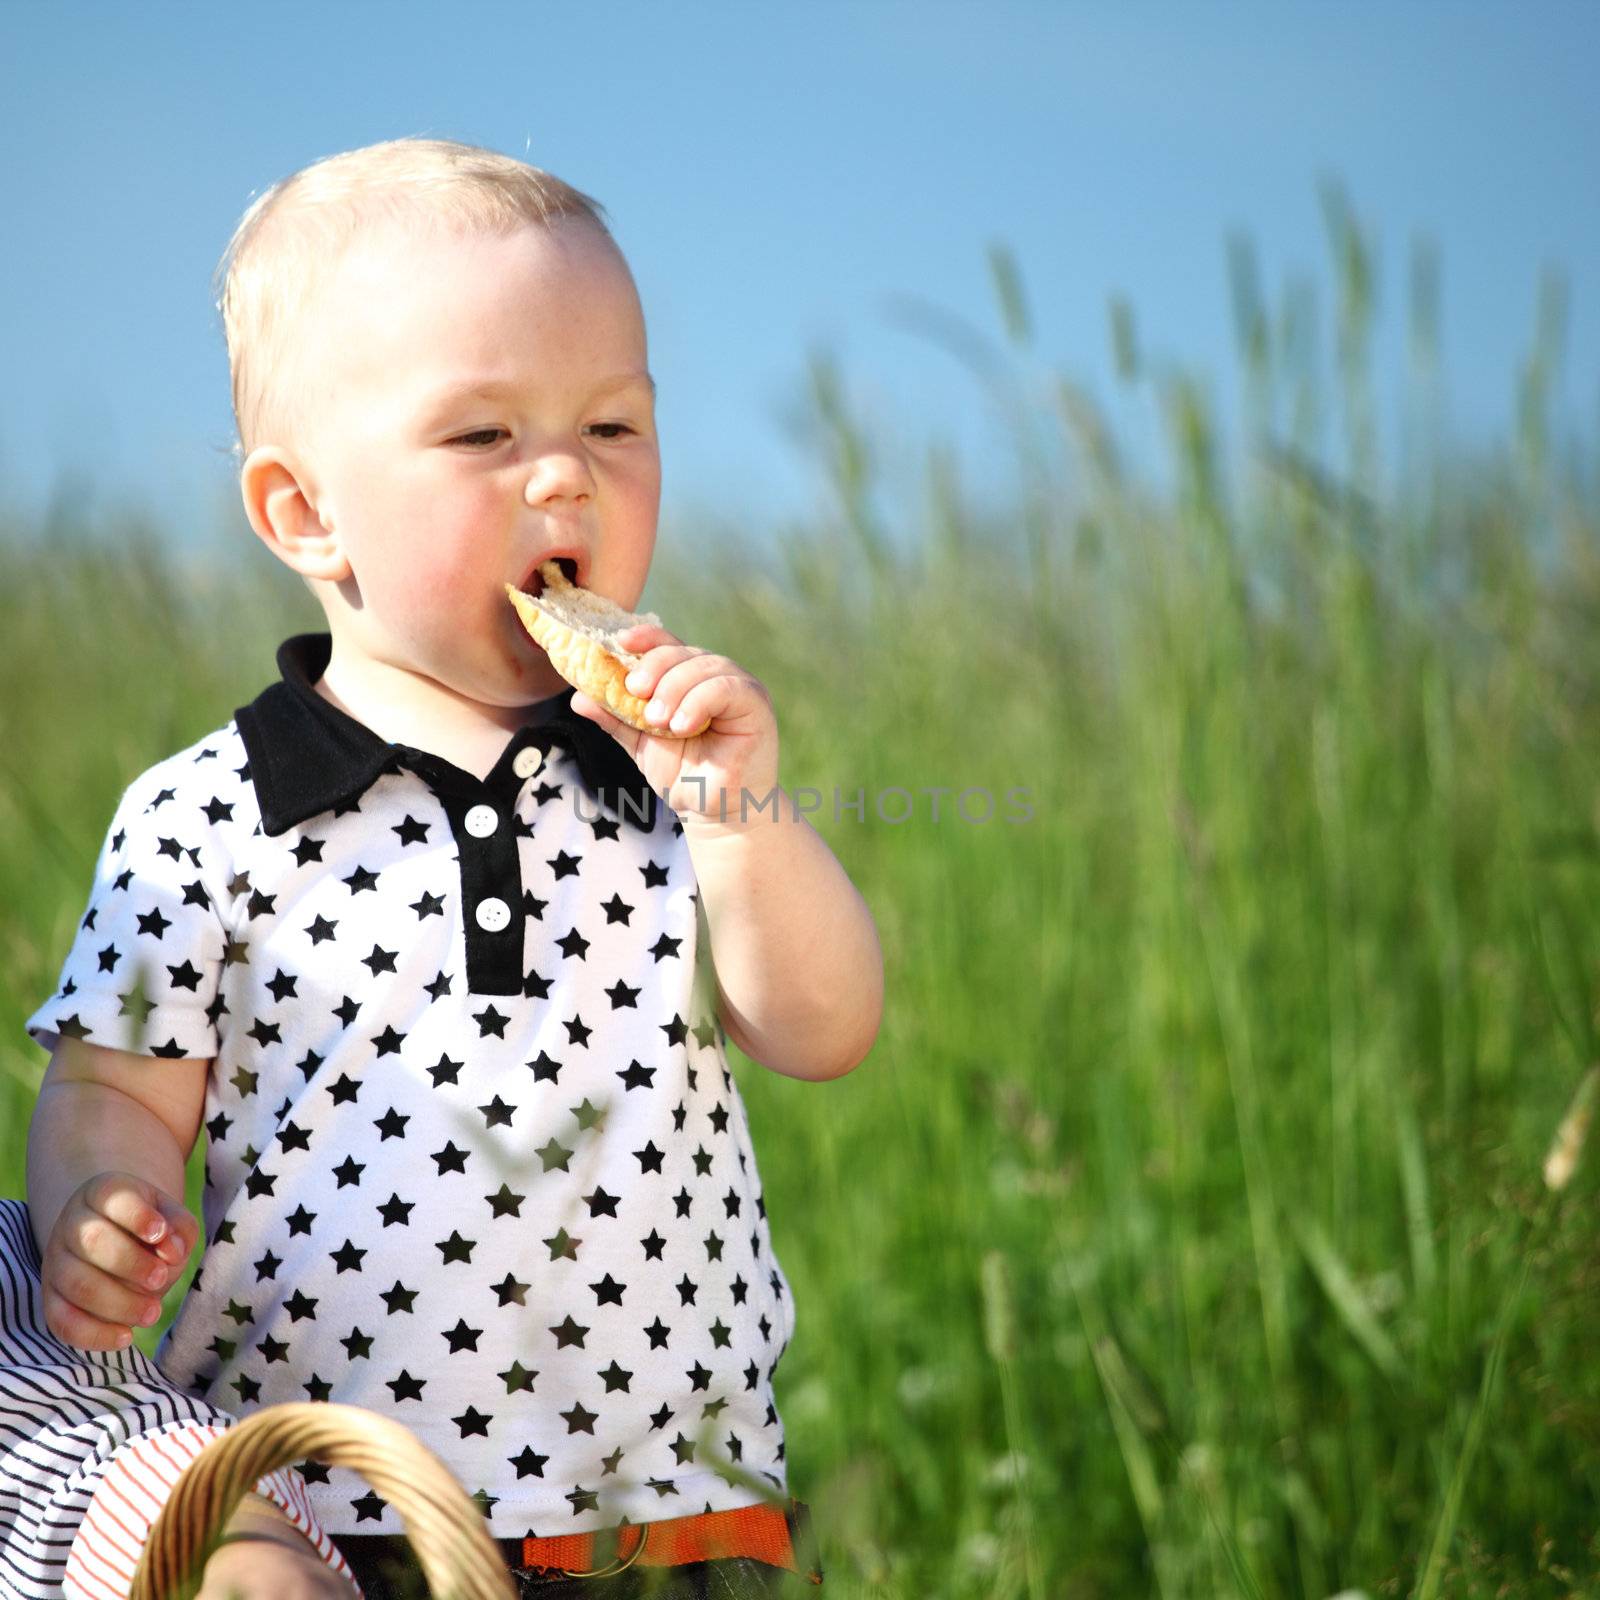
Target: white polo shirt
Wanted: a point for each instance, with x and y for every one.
(476, 1159)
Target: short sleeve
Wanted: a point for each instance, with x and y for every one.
(146, 960)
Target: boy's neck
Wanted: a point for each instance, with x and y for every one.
(404, 708)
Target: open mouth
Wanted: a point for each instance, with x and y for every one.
(534, 583)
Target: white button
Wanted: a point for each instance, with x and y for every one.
(527, 762)
(493, 915)
(482, 821)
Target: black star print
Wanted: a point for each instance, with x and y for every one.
(472, 1421)
(321, 929)
(281, 985)
(186, 976)
(430, 905)
(446, 1071)
(394, 1210)
(621, 995)
(517, 1378)
(450, 1159)
(616, 909)
(153, 923)
(307, 850)
(496, 1114)
(398, 1298)
(407, 1388)
(578, 1419)
(509, 1291)
(665, 946)
(368, 1508)
(569, 1332)
(380, 960)
(411, 831)
(389, 1041)
(563, 865)
(490, 1021)
(635, 1076)
(358, 1345)
(348, 1257)
(299, 1305)
(361, 879)
(391, 1125)
(461, 1337)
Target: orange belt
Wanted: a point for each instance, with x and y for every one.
(761, 1531)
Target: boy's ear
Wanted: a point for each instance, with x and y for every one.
(280, 510)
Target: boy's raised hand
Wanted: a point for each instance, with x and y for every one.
(117, 1246)
(703, 778)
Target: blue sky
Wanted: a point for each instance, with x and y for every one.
(778, 174)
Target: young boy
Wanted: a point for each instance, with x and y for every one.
(414, 939)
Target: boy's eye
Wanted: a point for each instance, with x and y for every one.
(487, 435)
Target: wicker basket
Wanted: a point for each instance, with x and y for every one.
(444, 1524)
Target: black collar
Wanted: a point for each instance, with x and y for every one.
(307, 756)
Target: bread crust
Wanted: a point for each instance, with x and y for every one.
(586, 663)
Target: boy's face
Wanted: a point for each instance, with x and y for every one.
(437, 503)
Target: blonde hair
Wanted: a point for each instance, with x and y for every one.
(291, 240)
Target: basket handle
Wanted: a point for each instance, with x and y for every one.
(459, 1558)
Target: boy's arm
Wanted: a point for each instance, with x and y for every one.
(798, 963)
(103, 1110)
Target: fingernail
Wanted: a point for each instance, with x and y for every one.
(636, 681)
(655, 711)
(153, 1231)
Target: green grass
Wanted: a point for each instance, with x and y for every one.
(1184, 1233)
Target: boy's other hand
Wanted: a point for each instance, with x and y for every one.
(119, 1244)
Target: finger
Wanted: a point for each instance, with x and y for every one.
(97, 1240)
(654, 663)
(100, 1293)
(144, 1210)
(75, 1326)
(676, 684)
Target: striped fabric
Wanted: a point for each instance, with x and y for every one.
(90, 1445)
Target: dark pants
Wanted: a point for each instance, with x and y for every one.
(386, 1569)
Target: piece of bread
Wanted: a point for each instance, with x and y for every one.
(578, 630)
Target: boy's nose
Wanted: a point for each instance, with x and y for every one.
(556, 478)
